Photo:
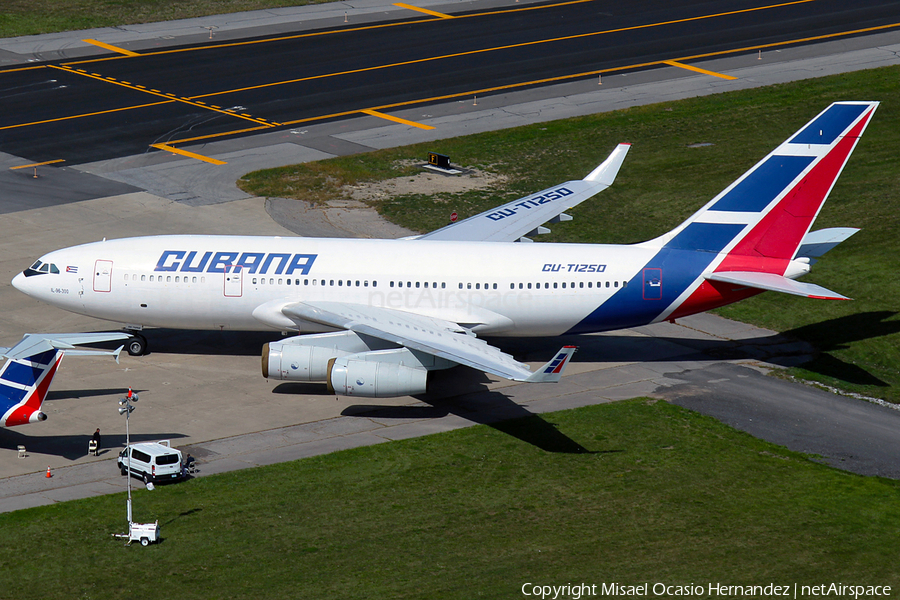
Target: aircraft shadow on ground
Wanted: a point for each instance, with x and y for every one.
(838, 334)
(498, 412)
(824, 337)
(73, 447)
(56, 395)
(460, 391)
(223, 343)
(806, 346)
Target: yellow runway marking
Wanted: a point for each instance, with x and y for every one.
(334, 31)
(423, 10)
(493, 49)
(381, 115)
(169, 96)
(549, 80)
(674, 63)
(542, 81)
(213, 161)
(46, 162)
(23, 69)
(112, 48)
(265, 125)
(83, 115)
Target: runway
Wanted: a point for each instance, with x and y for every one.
(132, 100)
(204, 391)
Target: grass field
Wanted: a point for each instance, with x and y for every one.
(660, 494)
(663, 181)
(28, 17)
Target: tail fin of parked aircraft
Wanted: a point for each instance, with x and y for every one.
(26, 375)
(24, 383)
(752, 236)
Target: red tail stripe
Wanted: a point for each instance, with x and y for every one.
(778, 235)
(22, 415)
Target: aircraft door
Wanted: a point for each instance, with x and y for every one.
(103, 276)
(652, 284)
(234, 283)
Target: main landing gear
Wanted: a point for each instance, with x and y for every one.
(137, 345)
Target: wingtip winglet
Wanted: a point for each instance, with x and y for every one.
(606, 172)
(553, 370)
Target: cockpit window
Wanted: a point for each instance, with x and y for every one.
(39, 268)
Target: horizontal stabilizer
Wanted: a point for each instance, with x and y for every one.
(775, 283)
(35, 343)
(817, 243)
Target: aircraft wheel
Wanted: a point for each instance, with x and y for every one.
(137, 345)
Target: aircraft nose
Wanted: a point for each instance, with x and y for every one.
(18, 282)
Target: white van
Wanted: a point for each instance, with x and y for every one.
(152, 461)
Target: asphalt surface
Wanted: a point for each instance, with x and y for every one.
(204, 390)
(91, 109)
(855, 436)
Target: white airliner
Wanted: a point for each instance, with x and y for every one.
(377, 315)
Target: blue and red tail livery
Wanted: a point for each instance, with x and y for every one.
(746, 239)
(378, 315)
(29, 369)
(23, 386)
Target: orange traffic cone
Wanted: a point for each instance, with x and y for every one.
(49, 475)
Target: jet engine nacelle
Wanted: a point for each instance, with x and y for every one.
(296, 363)
(305, 357)
(349, 376)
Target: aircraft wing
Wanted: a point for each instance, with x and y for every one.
(438, 337)
(516, 220)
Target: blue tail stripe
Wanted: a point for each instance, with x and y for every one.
(830, 124)
(9, 397)
(16, 372)
(703, 237)
(764, 184)
(44, 358)
(679, 266)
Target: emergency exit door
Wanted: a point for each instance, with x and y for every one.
(234, 286)
(652, 283)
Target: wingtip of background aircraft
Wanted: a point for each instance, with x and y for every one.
(606, 172)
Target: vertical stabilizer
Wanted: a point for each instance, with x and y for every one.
(746, 239)
(766, 213)
(761, 220)
(24, 383)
